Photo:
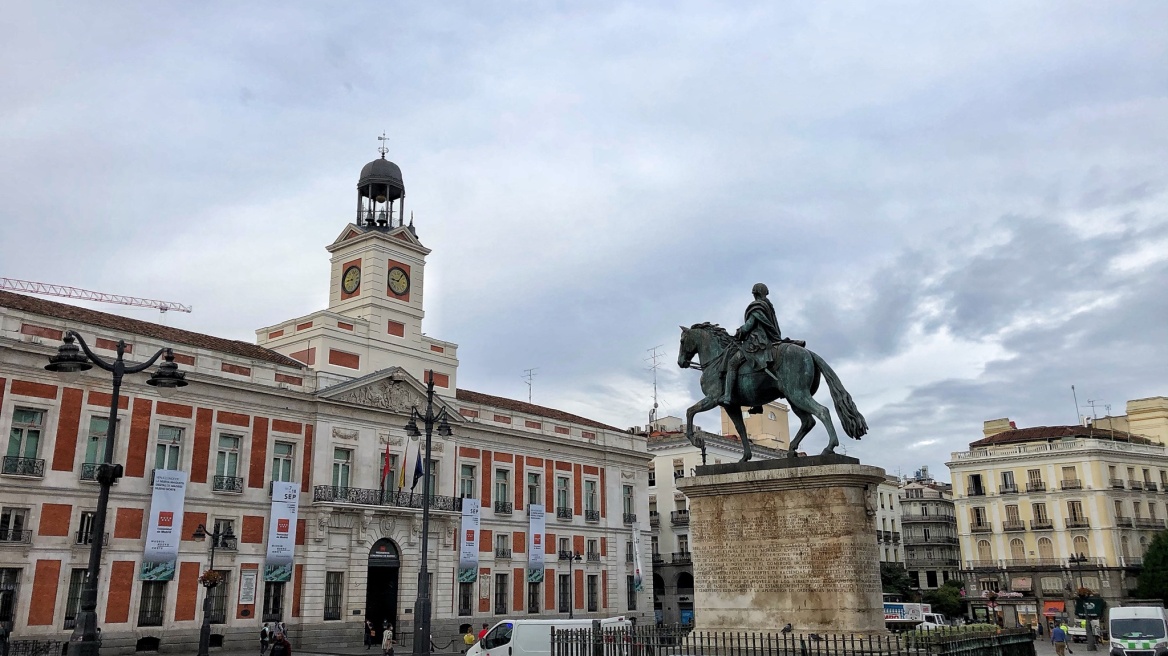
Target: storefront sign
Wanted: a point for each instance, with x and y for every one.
(1089, 606)
(282, 527)
(1021, 584)
(1053, 608)
(166, 516)
(535, 546)
(468, 550)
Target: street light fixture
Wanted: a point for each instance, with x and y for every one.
(69, 362)
(1078, 560)
(218, 538)
(571, 557)
(422, 604)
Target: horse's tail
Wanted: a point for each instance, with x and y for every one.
(849, 415)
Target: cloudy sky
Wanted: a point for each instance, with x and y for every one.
(963, 208)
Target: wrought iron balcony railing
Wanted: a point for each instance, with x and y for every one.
(503, 507)
(1150, 486)
(1036, 486)
(682, 557)
(1149, 522)
(1008, 489)
(592, 516)
(1071, 484)
(986, 527)
(15, 466)
(679, 518)
(86, 537)
(502, 553)
(227, 484)
(373, 497)
(563, 512)
(910, 517)
(1078, 522)
(1014, 525)
(1117, 483)
(226, 544)
(1136, 485)
(1041, 524)
(1124, 521)
(629, 518)
(593, 556)
(654, 518)
(10, 537)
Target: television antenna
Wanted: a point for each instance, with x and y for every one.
(653, 358)
(528, 376)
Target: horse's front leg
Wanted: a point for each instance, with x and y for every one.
(701, 406)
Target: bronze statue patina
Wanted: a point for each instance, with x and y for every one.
(757, 365)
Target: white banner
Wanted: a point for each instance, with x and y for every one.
(638, 572)
(468, 550)
(164, 530)
(535, 545)
(282, 526)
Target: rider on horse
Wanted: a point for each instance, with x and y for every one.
(757, 334)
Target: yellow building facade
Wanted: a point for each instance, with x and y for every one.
(1029, 500)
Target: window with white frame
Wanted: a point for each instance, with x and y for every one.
(591, 501)
(227, 455)
(24, 438)
(533, 488)
(168, 451)
(283, 456)
(95, 444)
(466, 481)
(13, 524)
(502, 484)
(563, 500)
(627, 501)
(342, 465)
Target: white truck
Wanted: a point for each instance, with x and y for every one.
(1141, 630)
(900, 616)
(524, 637)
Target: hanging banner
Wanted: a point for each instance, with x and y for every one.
(535, 536)
(638, 572)
(282, 526)
(468, 550)
(164, 529)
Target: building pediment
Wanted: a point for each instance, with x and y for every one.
(401, 235)
(389, 389)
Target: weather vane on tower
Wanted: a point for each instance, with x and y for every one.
(383, 148)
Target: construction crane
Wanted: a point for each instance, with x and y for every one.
(30, 287)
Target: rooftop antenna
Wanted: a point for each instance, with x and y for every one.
(1094, 418)
(529, 375)
(1078, 415)
(654, 356)
(383, 148)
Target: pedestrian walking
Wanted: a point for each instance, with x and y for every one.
(387, 641)
(370, 635)
(483, 633)
(265, 638)
(1058, 638)
(280, 645)
(468, 638)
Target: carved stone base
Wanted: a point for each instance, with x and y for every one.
(775, 543)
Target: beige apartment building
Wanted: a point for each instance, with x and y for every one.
(931, 548)
(1028, 500)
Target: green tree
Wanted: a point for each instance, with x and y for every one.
(1154, 577)
(894, 579)
(946, 599)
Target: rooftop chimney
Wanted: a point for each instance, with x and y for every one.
(995, 426)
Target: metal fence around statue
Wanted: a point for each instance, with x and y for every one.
(680, 641)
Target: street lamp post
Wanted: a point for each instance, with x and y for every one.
(217, 537)
(571, 557)
(70, 362)
(422, 604)
(1078, 560)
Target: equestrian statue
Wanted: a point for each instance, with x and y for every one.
(757, 365)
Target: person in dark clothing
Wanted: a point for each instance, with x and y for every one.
(280, 645)
(265, 639)
(370, 634)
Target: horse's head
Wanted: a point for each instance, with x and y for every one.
(689, 348)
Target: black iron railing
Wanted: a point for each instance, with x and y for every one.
(220, 617)
(1136, 485)
(1013, 525)
(654, 518)
(592, 515)
(1078, 522)
(150, 617)
(1008, 489)
(1117, 483)
(679, 517)
(1071, 484)
(9, 536)
(227, 543)
(374, 497)
(1150, 486)
(34, 648)
(227, 484)
(86, 537)
(563, 513)
(629, 518)
(503, 507)
(1036, 486)
(682, 557)
(15, 466)
(981, 527)
(502, 553)
(593, 557)
(909, 517)
(1041, 525)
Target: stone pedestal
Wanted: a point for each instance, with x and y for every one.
(791, 540)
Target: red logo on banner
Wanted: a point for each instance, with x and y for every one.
(281, 525)
(166, 518)
(470, 535)
(538, 539)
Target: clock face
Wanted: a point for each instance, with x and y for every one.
(399, 281)
(351, 280)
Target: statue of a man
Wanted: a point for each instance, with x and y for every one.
(759, 330)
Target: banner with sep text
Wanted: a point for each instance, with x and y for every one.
(535, 545)
(468, 550)
(282, 526)
(164, 530)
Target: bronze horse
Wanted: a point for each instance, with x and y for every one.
(794, 375)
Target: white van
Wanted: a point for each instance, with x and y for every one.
(531, 637)
(1137, 629)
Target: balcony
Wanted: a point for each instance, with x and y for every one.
(977, 492)
(592, 516)
(908, 518)
(372, 497)
(592, 556)
(895, 537)
(879, 536)
(563, 513)
(232, 484)
(31, 467)
(1071, 484)
(1117, 483)
(1078, 522)
(987, 527)
(226, 544)
(1125, 522)
(503, 507)
(1149, 522)
(12, 537)
(1036, 486)
(679, 518)
(1041, 524)
(1150, 486)
(1133, 561)
(502, 553)
(1034, 562)
(657, 559)
(654, 519)
(983, 564)
(917, 563)
(931, 539)
(1014, 525)
(682, 558)
(629, 518)
(1136, 485)
(1008, 489)
(86, 537)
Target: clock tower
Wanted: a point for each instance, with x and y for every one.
(374, 316)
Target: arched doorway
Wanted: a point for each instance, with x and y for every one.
(685, 599)
(381, 584)
(658, 598)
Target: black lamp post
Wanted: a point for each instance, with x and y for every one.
(210, 581)
(571, 557)
(1078, 560)
(422, 604)
(70, 362)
